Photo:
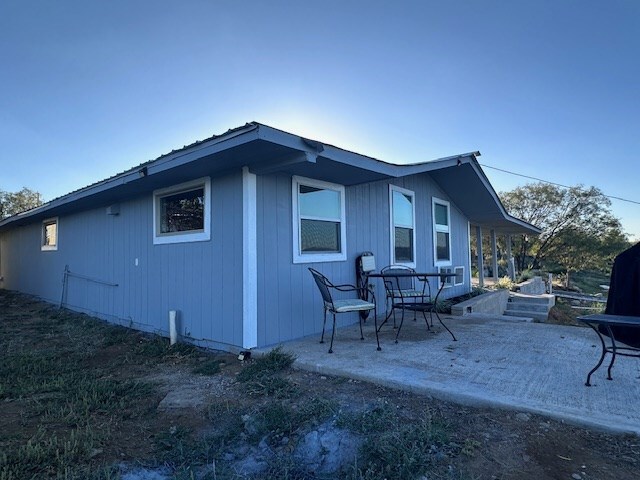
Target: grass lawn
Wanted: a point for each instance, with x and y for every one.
(85, 400)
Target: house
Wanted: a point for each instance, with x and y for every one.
(223, 230)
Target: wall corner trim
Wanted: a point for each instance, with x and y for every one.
(249, 260)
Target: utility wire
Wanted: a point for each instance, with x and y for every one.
(552, 183)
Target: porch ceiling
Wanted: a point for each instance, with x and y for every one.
(471, 191)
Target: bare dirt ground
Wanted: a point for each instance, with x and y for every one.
(81, 399)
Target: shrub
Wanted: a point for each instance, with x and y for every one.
(505, 283)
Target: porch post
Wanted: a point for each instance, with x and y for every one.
(494, 255)
(510, 262)
(480, 256)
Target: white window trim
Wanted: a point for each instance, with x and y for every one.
(298, 256)
(451, 281)
(392, 232)
(181, 237)
(49, 248)
(443, 229)
(448, 281)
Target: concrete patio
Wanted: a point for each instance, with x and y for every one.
(532, 367)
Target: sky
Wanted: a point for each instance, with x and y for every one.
(544, 88)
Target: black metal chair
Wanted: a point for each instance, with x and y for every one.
(343, 305)
(402, 290)
(365, 264)
(403, 297)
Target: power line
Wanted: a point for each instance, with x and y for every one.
(553, 183)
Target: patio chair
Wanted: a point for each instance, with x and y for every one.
(402, 290)
(365, 264)
(343, 305)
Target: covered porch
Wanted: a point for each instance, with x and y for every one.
(489, 263)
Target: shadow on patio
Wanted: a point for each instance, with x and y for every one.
(532, 367)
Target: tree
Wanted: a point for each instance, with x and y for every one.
(578, 229)
(17, 202)
(579, 251)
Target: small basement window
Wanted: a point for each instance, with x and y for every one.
(49, 234)
(453, 281)
(182, 213)
(318, 221)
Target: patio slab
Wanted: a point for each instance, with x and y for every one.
(533, 367)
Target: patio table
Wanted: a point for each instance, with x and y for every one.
(414, 306)
(605, 322)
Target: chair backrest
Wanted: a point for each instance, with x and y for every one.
(323, 285)
(368, 262)
(399, 283)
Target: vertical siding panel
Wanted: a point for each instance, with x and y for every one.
(204, 279)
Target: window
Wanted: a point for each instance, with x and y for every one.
(318, 221)
(403, 237)
(182, 213)
(459, 278)
(49, 234)
(453, 281)
(441, 232)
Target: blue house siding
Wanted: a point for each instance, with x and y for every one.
(201, 279)
(289, 305)
(244, 277)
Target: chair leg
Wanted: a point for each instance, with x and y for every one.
(375, 321)
(333, 333)
(390, 312)
(425, 320)
(323, 324)
(400, 327)
(446, 328)
(361, 334)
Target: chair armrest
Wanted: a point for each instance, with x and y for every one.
(346, 287)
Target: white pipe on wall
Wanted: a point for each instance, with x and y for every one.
(173, 331)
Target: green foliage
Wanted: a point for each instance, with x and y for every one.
(17, 202)
(210, 366)
(155, 347)
(273, 362)
(179, 450)
(281, 418)
(525, 275)
(589, 281)
(47, 453)
(505, 283)
(268, 385)
(578, 229)
(404, 451)
(380, 418)
(444, 305)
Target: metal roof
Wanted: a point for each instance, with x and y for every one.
(265, 150)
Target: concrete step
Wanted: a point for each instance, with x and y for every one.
(545, 299)
(528, 307)
(537, 316)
